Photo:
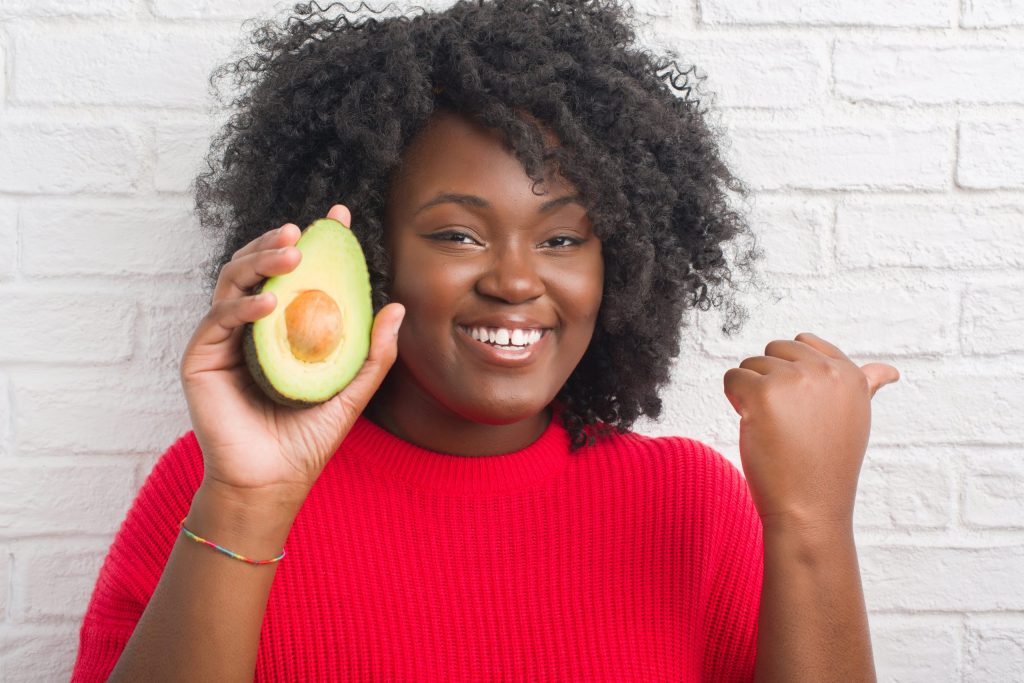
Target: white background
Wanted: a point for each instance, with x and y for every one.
(885, 145)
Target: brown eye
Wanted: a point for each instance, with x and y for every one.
(562, 241)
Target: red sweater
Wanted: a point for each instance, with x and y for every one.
(636, 559)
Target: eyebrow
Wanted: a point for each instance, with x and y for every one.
(481, 203)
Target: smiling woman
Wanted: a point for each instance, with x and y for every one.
(540, 201)
(502, 284)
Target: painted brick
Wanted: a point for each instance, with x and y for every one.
(112, 238)
(3, 65)
(103, 66)
(921, 13)
(991, 155)
(995, 649)
(213, 9)
(943, 401)
(916, 74)
(994, 488)
(793, 234)
(166, 325)
(117, 411)
(694, 404)
(992, 13)
(904, 488)
(5, 580)
(37, 653)
(244, 9)
(6, 417)
(54, 580)
(860, 321)
(65, 326)
(993, 320)
(752, 71)
(8, 239)
(867, 157)
(918, 578)
(939, 234)
(60, 498)
(65, 158)
(916, 649)
(180, 149)
(18, 9)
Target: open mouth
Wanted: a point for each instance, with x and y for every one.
(509, 339)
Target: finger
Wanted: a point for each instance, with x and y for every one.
(820, 344)
(880, 374)
(738, 384)
(789, 349)
(241, 274)
(763, 364)
(287, 235)
(383, 351)
(226, 316)
(340, 213)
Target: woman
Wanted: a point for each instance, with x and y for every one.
(539, 206)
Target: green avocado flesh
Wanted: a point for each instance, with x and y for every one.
(318, 335)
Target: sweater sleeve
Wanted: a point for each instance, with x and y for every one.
(136, 559)
(734, 597)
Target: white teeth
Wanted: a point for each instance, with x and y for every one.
(502, 336)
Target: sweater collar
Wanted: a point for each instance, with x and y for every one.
(429, 470)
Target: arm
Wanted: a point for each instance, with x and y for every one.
(260, 460)
(207, 609)
(805, 416)
(813, 625)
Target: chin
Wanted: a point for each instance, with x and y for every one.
(501, 412)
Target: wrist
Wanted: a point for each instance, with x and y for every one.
(810, 541)
(245, 522)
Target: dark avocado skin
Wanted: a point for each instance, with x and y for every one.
(256, 371)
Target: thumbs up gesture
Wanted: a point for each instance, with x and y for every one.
(805, 417)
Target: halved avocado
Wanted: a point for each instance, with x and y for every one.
(318, 335)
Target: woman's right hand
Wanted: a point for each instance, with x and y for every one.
(253, 447)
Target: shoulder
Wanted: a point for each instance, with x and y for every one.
(690, 455)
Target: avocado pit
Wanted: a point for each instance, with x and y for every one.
(314, 325)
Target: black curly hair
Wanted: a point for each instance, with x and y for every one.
(326, 102)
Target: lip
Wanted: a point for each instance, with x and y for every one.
(503, 357)
(506, 321)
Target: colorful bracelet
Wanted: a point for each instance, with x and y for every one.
(227, 552)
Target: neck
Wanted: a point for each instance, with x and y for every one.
(405, 410)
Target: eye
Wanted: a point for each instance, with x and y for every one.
(562, 241)
(454, 236)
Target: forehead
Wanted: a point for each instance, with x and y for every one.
(452, 153)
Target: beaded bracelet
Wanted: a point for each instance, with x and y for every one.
(227, 552)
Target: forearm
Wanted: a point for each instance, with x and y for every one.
(204, 618)
(813, 623)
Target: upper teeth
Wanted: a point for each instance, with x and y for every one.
(504, 336)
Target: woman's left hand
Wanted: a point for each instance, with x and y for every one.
(805, 416)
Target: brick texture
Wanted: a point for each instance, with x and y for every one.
(884, 146)
(991, 155)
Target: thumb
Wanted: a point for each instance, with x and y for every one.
(879, 374)
(383, 350)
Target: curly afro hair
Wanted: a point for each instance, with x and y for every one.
(325, 103)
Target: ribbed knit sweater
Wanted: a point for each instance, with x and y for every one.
(636, 559)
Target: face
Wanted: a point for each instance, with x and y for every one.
(501, 286)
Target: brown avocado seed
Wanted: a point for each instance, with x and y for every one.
(313, 321)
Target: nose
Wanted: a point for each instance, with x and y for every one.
(511, 276)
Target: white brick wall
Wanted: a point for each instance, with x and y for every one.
(885, 145)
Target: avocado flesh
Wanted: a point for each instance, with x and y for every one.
(318, 335)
